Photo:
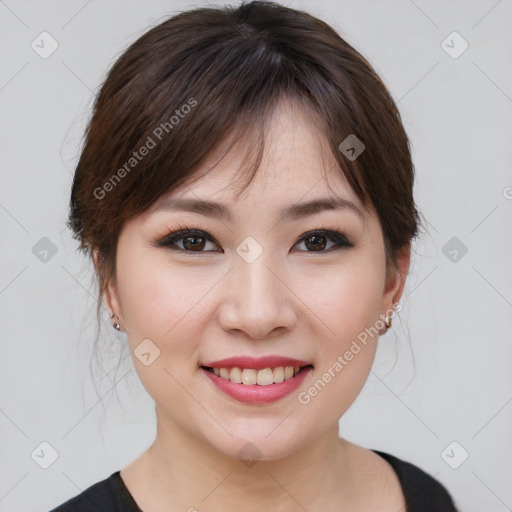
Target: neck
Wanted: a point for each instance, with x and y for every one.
(189, 472)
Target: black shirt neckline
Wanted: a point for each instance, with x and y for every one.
(422, 492)
(130, 502)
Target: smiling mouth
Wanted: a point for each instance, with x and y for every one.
(263, 377)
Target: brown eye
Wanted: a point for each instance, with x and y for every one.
(194, 240)
(192, 243)
(317, 241)
(187, 240)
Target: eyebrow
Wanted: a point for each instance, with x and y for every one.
(292, 212)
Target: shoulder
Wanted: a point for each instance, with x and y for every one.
(422, 492)
(108, 495)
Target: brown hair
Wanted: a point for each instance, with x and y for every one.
(185, 84)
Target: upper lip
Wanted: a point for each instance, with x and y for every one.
(256, 363)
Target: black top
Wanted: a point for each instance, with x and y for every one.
(422, 492)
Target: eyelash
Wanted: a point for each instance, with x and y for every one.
(183, 231)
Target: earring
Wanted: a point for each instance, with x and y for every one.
(115, 325)
(388, 321)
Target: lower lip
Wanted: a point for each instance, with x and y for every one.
(255, 394)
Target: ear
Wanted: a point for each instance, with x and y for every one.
(395, 285)
(110, 294)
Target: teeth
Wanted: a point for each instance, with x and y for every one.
(249, 376)
(235, 375)
(278, 374)
(263, 377)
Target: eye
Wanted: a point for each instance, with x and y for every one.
(196, 240)
(317, 240)
(187, 240)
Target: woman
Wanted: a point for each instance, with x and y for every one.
(245, 191)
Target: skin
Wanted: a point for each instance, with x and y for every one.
(292, 301)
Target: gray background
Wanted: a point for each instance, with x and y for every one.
(441, 376)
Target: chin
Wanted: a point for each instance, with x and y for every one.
(250, 445)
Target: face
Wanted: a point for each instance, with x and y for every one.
(256, 282)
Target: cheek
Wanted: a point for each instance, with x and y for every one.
(159, 300)
(159, 304)
(347, 353)
(350, 306)
(347, 300)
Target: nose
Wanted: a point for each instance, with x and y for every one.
(257, 300)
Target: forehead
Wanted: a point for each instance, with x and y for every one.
(296, 165)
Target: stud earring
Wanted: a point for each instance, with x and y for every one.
(115, 325)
